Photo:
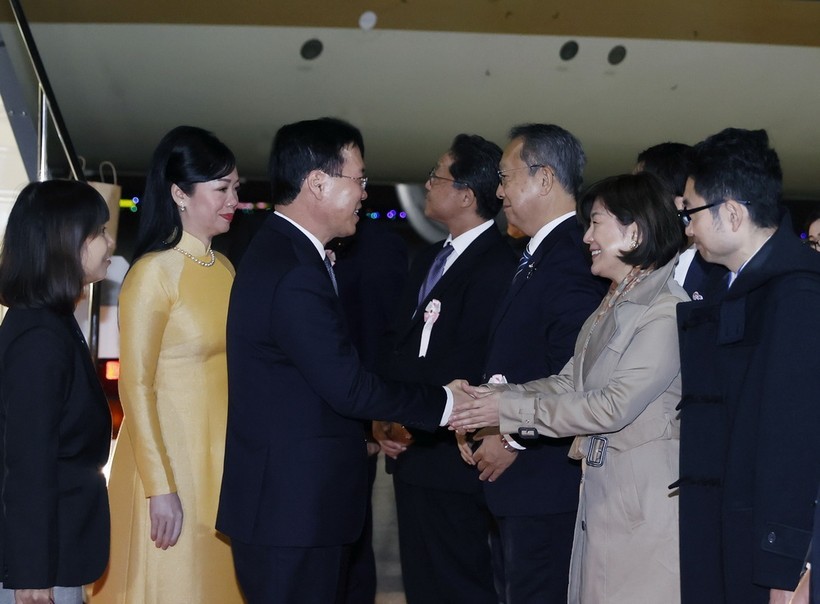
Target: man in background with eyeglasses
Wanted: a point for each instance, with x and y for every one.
(813, 231)
(294, 488)
(439, 334)
(533, 493)
(669, 163)
(750, 419)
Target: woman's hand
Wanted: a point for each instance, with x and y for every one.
(33, 596)
(166, 519)
(478, 412)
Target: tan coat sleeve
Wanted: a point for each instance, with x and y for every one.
(619, 385)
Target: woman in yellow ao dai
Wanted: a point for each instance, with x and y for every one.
(167, 468)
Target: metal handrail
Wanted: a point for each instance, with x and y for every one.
(47, 105)
(46, 90)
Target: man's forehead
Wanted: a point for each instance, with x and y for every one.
(352, 155)
(689, 193)
(445, 160)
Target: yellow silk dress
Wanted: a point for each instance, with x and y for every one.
(174, 391)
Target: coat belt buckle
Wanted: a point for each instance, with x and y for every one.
(597, 451)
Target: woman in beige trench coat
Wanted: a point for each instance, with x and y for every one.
(617, 395)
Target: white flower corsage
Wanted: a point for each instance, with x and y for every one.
(431, 314)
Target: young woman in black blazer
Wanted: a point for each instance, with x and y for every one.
(55, 426)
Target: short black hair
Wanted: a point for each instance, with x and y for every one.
(739, 164)
(475, 163)
(185, 156)
(813, 216)
(305, 146)
(41, 263)
(640, 198)
(669, 162)
(551, 145)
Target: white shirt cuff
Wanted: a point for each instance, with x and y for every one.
(512, 442)
(448, 407)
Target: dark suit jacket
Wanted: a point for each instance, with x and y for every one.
(295, 460)
(469, 293)
(371, 270)
(749, 464)
(56, 427)
(533, 336)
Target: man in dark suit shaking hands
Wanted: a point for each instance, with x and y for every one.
(533, 494)
(444, 523)
(295, 480)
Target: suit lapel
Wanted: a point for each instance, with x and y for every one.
(604, 330)
(462, 264)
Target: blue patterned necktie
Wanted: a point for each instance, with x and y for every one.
(329, 267)
(435, 272)
(522, 264)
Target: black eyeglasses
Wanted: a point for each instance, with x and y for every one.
(812, 243)
(432, 176)
(362, 180)
(686, 214)
(502, 174)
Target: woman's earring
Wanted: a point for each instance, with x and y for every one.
(181, 208)
(634, 244)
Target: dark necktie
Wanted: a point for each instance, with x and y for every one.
(522, 264)
(329, 267)
(435, 272)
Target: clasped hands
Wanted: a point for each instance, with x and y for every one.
(477, 407)
(474, 407)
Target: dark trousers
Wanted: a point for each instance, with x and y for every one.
(532, 566)
(291, 575)
(361, 579)
(444, 545)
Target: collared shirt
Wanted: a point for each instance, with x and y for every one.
(313, 239)
(463, 241)
(545, 230)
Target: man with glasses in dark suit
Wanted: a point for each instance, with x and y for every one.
(533, 493)
(444, 523)
(749, 415)
(294, 488)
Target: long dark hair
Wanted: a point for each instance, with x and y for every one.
(184, 157)
(41, 262)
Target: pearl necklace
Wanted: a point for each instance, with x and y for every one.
(197, 260)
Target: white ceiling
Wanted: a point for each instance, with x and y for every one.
(120, 87)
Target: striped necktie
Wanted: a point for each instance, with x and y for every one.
(522, 264)
(329, 267)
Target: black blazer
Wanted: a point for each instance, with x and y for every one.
(56, 427)
(533, 336)
(469, 293)
(295, 460)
